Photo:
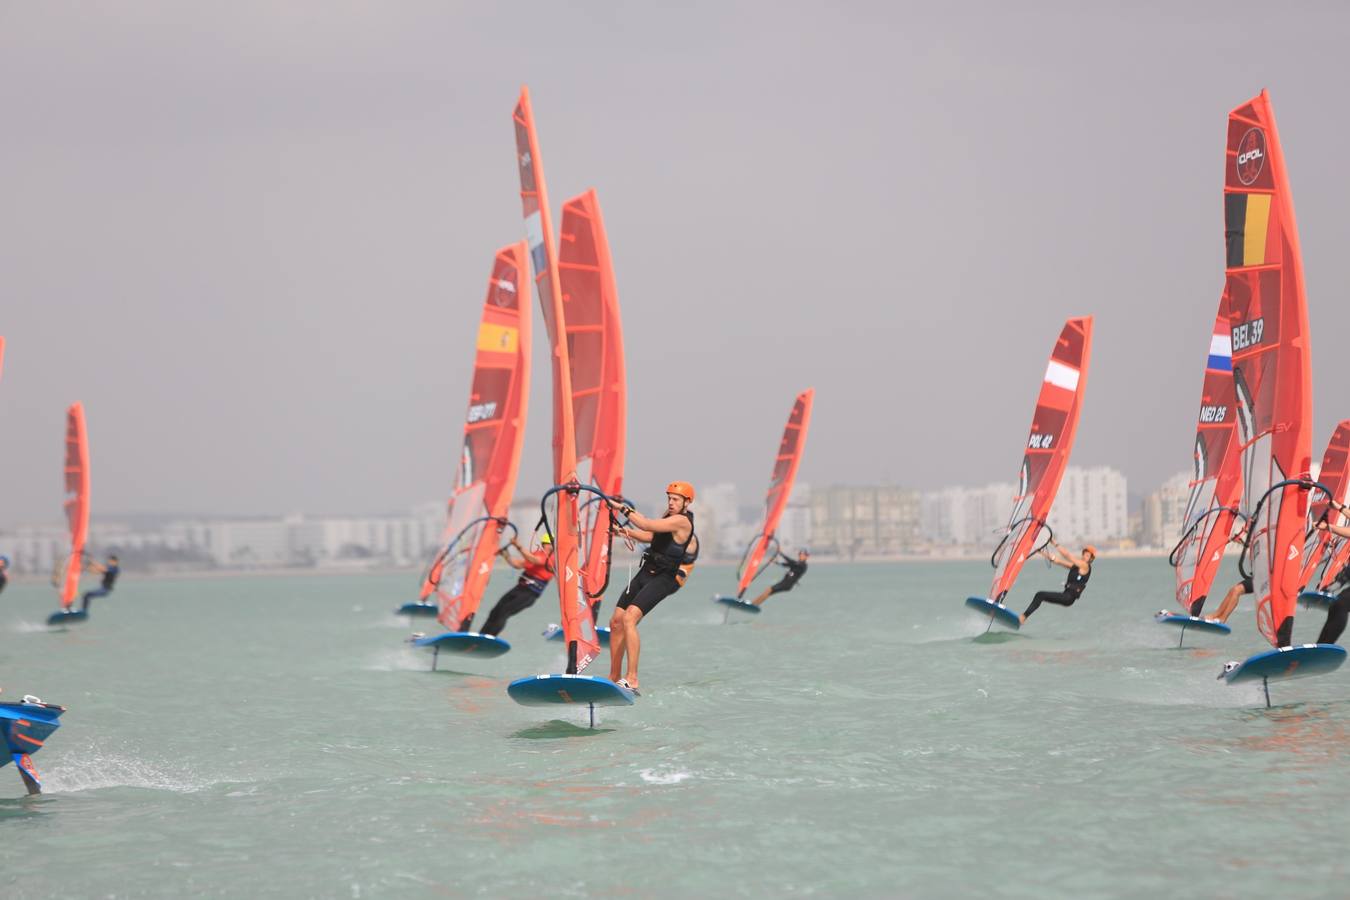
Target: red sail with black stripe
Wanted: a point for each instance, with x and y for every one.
(599, 391)
(1324, 547)
(1271, 360)
(1216, 484)
(785, 465)
(574, 607)
(494, 431)
(76, 480)
(1053, 427)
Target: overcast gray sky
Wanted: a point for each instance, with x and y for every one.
(253, 237)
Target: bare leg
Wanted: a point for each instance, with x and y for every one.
(618, 641)
(632, 616)
(759, 601)
(1230, 602)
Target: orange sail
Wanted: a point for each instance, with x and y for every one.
(1053, 428)
(494, 430)
(1216, 487)
(599, 392)
(578, 628)
(1323, 546)
(1271, 362)
(77, 500)
(2, 354)
(764, 546)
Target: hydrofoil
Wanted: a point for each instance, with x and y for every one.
(1302, 661)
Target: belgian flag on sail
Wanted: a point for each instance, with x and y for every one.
(1247, 228)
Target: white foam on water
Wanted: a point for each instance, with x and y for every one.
(91, 770)
(400, 659)
(652, 776)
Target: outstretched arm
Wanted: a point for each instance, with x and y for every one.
(667, 525)
(1338, 530)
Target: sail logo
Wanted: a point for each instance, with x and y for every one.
(1040, 441)
(1248, 334)
(1251, 155)
(479, 412)
(1211, 414)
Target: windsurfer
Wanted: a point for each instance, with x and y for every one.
(109, 570)
(4, 572)
(670, 556)
(1230, 599)
(1339, 610)
(796, 569)
(1080, 570)
(536, 573)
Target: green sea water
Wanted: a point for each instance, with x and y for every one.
(274, 737)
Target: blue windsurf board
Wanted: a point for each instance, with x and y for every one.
(67, 616)
(996, 611)
(1318, 599)
(26, 727)
(554, 632)
(418, 609)
(1286, 662)
(465, 642)
(547, 690)
(1198, 623)
(737, 603)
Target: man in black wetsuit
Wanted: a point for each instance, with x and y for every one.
(536, 573)
(109, 570)
(4, 572)
(670, 556)
(1080, 569)
(796, 569)
(1339, 610)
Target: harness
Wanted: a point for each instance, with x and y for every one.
(665, 556)
(1076, 583)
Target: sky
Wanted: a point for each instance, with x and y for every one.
(253, 238)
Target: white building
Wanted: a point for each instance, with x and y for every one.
(1091, 505)
(964, 516)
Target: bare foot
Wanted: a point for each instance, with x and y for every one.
(1021, 619)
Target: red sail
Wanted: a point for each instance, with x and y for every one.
(1323, 546)
(785, 465)
(1052, 432)
(578, 629)
(2, 354)
(1216, 488)
(1271, 360)
(494, 430)
(77, 500)
(599, 392)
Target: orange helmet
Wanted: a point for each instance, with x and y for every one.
(681, 489)
(1090, 549)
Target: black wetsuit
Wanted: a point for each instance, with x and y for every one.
(109, 579)
(796, 569)
(1338, 611)
(659, 576)
(4, 578)
(518, 599)
(1073, 589)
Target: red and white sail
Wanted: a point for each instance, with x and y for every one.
(574, 608)
(1053, 427)
(785, 465)
(1271, 360)
(599, 391)
(76, 480)
(494, 431)
(1216, 484)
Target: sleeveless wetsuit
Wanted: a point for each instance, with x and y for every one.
(796, 569)
(1074, 586)
(660, 574)
(533, 579)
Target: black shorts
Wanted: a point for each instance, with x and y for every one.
(787, 584)
(1247, 586)
(647, 589)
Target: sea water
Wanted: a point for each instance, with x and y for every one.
(275, 737)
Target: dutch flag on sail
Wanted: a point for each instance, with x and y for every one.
(1221, 352)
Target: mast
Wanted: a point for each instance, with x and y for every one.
(578, 629)
(1053, 428)
(1271, 361)
(785, 465)
(599, 384)
(1216, 484)
(76, 473)
(494, 431)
